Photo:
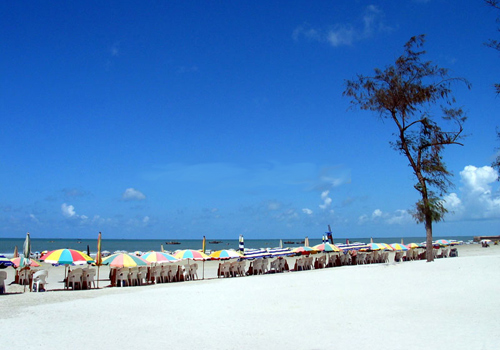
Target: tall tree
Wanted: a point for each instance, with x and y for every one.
(495, 44)
(408, 93)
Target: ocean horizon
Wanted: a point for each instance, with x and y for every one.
(7, 245)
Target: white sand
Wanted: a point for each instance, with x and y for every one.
(449, 304)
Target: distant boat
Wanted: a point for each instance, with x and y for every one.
(215, 242)
(173, 242)
(289, 242)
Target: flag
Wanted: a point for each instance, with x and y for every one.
(204, 244)
(98, 258)
(329, 235)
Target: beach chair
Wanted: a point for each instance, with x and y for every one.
(361, 258)
(193, 271)
(24, 277)
(122, 276)
(299, 264)
(445, 253)
(142, 275)
(39, 280)
(282, 265)
(180, 273)
(164, 273)
(435, 252)
(133, 276)
(88, 278)
(242, 267)
(233, 268)
(274, 267)
(75, 279)
(257, 267)
(265, 264)
(3, 277)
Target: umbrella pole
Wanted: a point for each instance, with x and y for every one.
(203, 274)
(98, 268)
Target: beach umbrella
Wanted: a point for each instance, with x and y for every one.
(26, 250)
(327, 247)
(354, 246)
(17, 262)
(225, 254)
(399, 247)
(413, 246)
(158, 257)
(16, 253)
(204, 245)
(124, 260)
(4, 262)
(442, 242)
(304, 250)
(67, 257)
(377, 246)
(191, 254)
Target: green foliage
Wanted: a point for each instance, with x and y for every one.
(436, 210)
(415, 94)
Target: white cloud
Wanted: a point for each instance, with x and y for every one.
(132, 194)
(145, 219)
(307, 211)
(68, 210)
(327, 201)
(34, 218)
(398, 217)
(372, 22)
(477, 200)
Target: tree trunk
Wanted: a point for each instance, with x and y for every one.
(429, 253)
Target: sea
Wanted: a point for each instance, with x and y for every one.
(7, 245)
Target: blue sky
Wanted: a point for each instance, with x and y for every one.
(178, 119)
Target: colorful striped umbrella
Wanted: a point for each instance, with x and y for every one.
(158, 257)
(399, 247)
(32, 263)
(413, 245)
(67, 257)
(377, 246)
(442, 242)
(225, 254)
(327, 247)
(124, 260)
(304, 250)
(191, 254)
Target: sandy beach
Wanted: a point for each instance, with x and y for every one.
(449, 304)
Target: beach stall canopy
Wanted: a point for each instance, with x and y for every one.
(67, 257)
(124, 260)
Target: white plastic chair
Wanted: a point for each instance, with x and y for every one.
(3, 277)
(122, 276)
(265, 265)
(142, 275)
(75, 279)
(242, 267)
(257, 266)
(88, 278)
(39, 280)
(133, 276)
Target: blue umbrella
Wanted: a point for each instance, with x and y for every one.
(4, 262)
